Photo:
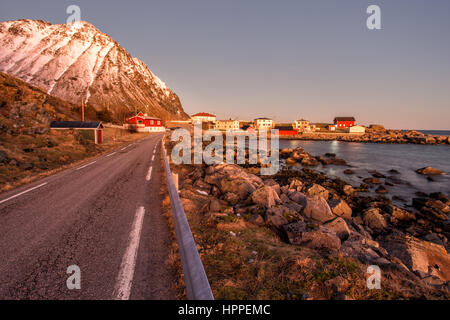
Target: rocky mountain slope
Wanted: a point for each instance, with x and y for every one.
(76, 62)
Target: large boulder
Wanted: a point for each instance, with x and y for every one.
(432, 207)
(318, 190)
(360, 246)
(265, 196)
(339, 227)
(418, 255)
(243, 188)
(340, 208)
(294, 231)
(374, 220)
(320, 238)
(317, 210)
(215, 174)
(297, 197)
(291, 161)
(348, 190)
(400, 214)
(298, 155)
(285, 152)
(272, 183)
(278, 216)
(429, 171)
(310, 162)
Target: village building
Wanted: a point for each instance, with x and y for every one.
(90, 130)
(203, 117)
(227, 125)
(286, 130)
(263, 124)
(143, 123)
(357, 129)
(303, 125)
(344, 122)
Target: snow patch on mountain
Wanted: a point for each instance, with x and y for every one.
(77, 62)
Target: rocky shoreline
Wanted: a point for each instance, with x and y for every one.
(379, 135)
(305, 208)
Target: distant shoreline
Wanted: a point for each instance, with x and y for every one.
(425, 137)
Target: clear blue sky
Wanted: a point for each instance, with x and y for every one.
(284, 59)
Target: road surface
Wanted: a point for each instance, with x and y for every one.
(103, 216)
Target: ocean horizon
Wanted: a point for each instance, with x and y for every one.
(436, 132)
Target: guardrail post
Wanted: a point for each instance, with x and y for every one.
(197, 284)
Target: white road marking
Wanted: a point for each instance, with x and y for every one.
(23, 192)
(124, 280)
(123, 148)
(149, 174)
(153, 158)
(109, 155)
(87, 165)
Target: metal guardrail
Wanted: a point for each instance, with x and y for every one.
(197, 284)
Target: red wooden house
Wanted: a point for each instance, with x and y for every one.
(143, 123)
(344, 122)
(286, 130)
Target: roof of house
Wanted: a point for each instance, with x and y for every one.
(284, 128)
(344, 119)
(263, 119)
(246, 127)
(75, 125)
(229, 120)
(141, 115)
(203, 114)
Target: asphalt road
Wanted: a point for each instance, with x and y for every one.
(103, 216)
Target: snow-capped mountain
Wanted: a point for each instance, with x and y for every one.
(76, 62)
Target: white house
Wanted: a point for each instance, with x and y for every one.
(263, 124)
(232, 125)
(303, 125)
(357, 129)
(203, 117)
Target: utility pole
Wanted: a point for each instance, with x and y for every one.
(82, 110)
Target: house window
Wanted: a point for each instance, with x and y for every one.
(151, 122)
(139, 122)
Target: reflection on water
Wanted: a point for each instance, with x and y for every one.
(405, 158)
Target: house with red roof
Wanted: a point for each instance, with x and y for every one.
(344, 122)
(203, 117)
(143, 123)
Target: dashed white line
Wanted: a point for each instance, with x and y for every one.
(87, 165)
(149, 174)
(153, 158)
(23, 192)
(109, 155)
(124, 280)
